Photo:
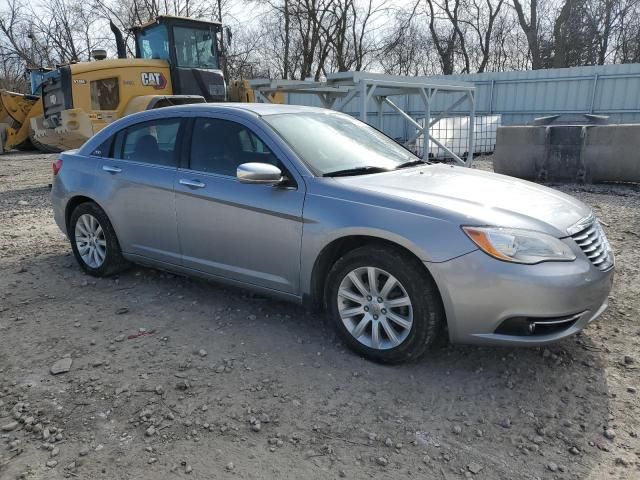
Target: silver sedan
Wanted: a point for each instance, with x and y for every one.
(316, 207)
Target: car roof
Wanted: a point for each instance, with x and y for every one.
(242, 109)
(261, 109)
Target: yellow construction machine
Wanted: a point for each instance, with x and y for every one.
(15, 111)
(178, 61)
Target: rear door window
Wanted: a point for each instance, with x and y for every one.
(154, 142)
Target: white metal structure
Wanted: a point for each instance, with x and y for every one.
(342, 88)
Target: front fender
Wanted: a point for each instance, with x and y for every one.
(327, 219)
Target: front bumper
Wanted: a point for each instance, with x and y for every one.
(479, 293)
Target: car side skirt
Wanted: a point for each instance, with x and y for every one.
(190, 272)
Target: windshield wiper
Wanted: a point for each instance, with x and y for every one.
(412, 163)
(355, 171)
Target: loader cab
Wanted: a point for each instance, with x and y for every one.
(192, 49)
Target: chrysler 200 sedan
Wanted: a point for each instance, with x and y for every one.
(316, 207)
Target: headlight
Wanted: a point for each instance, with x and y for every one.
(519, 246)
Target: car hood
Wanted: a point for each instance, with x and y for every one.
(478, 198)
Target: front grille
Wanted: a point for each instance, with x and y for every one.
(593, 242)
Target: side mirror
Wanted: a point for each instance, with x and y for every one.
(261, 173)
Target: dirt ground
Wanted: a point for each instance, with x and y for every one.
(179, 378)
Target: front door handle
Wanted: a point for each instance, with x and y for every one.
(192, 183)
(110, 169)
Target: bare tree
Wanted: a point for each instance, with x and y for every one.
(18, 37)
(349, 33)
(530, 28)
(482, 18)
(404, 43)
(443, 38)
(310, 38)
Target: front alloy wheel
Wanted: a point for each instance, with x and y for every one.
(384, 303)
(375, 308)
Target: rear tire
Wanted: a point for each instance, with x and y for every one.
(94, 242)
(396, 321)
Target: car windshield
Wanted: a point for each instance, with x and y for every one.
(332, 142)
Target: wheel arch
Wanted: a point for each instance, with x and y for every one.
(339, 247)
(79, 199)
(113, 261)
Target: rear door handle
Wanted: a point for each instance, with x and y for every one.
(110, 169)
(192, 183)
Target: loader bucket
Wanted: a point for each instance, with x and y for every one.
(75, 128)
(15, 110)
(15, 107)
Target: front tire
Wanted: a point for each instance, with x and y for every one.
(94, 242)
(384, 304)
(42, 147)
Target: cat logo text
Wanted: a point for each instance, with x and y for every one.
(153, 79)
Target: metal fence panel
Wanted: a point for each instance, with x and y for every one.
(612, 90)
(519, 97)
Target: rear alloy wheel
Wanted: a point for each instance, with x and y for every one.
(90, 241)
(384, 303)
(94, 241)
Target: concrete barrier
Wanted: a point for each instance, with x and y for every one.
(590, 153)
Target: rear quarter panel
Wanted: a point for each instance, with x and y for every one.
(77, 177)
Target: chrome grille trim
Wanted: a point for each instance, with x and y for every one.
(581, 225)
(590, 237)
(558, 321)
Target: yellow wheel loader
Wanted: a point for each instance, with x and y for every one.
(16, 111)
(177, 62)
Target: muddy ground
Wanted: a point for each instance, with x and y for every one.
(179, 378)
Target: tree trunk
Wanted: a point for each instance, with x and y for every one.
(287, 40)
(530, 30)
(560, 36)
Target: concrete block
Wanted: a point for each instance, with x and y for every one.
(609, 153)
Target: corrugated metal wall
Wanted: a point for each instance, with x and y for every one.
(519, 97)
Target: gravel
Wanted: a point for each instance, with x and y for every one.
(61, 366)
(9, 426)
(568, 410)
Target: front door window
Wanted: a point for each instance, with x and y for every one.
(220, 147)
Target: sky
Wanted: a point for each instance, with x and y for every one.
(249, 12)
